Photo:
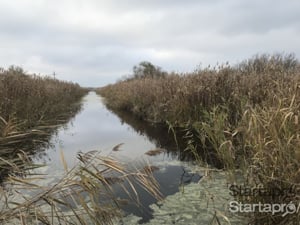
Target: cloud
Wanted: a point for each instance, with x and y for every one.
(95, 42)
(262, 17)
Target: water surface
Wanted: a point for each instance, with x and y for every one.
(97, 128)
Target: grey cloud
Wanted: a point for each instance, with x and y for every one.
(96, 41)
(262, 16)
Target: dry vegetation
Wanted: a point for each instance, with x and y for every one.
(84, 195)
(34, 100)
(247, 116)
(30, 108)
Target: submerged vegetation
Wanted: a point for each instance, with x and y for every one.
(244, 117)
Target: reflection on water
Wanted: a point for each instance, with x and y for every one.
(31, 142)
(97, 128)
(163, 137)
(158, 134)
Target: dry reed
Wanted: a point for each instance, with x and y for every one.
(247, 116)
(31, 108)
(84, 195)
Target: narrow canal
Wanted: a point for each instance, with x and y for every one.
(97, 128)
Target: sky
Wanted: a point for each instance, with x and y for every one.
(97, 42)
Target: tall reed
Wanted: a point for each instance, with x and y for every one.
(34, 100)
(244, 117)
(31, 107)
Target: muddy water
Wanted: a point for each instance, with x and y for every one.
(97, 128)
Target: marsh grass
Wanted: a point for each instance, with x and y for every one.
(243, 117)
(84, 194)
(31, 108)
(179, 98)
(34, 100)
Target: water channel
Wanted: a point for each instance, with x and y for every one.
(97, 128)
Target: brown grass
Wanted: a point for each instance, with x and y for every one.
(179, 98)
(31, 100)
(84, 195)
(247, 116)
(31, 108)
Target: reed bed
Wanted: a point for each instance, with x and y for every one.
(33, 100)
(245, 117)
(179, 98)
(31, 108)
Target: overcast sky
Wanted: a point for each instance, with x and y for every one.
(95, 42)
